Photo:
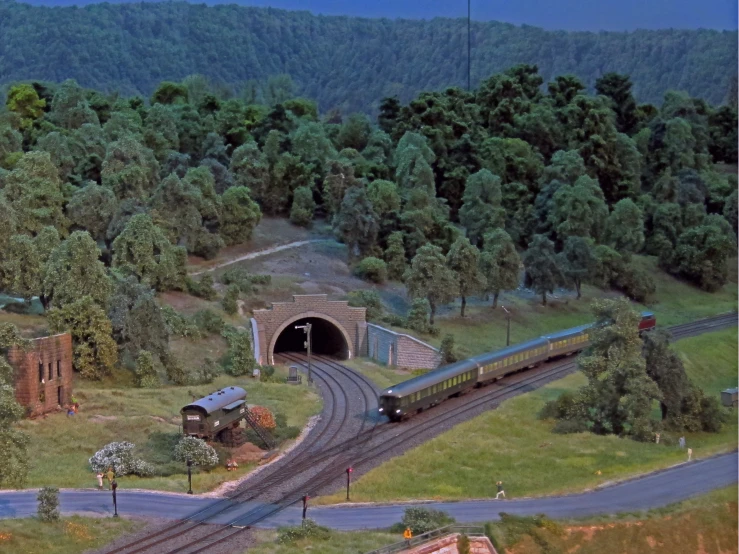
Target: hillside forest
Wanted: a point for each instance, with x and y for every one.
(343, 63)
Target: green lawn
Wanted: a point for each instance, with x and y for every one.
(354, 542)
(60, 445)
(512, 445)
(484, 329)
(382, 376)
(70, 535)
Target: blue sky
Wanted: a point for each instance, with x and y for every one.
(570, 15)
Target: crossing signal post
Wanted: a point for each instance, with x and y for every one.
(305, 505)
(189, 476)
(349, 471)
(307, 330)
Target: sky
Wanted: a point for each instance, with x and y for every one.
(568, 15)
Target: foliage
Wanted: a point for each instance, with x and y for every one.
(447, 351)
(303, 207)
(418, 315)
(203, 288)
(430, 278)
(48, 504)
(464, 260)
(308, 530)
(463, 544)
(196, 450)
(543, 269)
(395, 256)
(372, 269)
(230, 300)
(146, 375)
(94, 349)
(240, 354)
(499, 263)
(369, 299)
(356, 224)
(422, 520)
(240, 215)
(120, 457)
(209, 321)
(178, 324)
(263, 417)
(481, 210)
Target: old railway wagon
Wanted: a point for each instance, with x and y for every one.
(207, 417)
(429, 389)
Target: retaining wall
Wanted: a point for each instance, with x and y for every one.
(400, 350)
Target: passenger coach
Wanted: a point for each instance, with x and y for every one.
(429, 389)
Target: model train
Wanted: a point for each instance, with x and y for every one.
(427, 390)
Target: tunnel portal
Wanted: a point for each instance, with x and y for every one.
(326, 338)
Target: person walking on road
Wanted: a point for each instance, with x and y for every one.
(100, 480)
(408, 535)
(500, 490)
(690, 453)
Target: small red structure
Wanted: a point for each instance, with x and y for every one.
(43, 374)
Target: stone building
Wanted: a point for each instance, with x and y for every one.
(43, 373)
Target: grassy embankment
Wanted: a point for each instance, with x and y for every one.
(484, 329)
(70, 535)
(60, 445)
(512, 445)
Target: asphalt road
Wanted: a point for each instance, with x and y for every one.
(650, 491)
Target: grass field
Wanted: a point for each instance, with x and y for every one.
(60, 445)
(705, 525)
(484, 329)
(355, 542)
(512, 445)
(70, 535)
(382, 376)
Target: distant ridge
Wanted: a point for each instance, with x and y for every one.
(342, 62)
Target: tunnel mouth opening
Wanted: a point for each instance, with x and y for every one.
(326, 339)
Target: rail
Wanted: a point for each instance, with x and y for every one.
(469, 530)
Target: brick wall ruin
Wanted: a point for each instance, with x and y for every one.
(400, 350)
(43, 374)
(448, 545)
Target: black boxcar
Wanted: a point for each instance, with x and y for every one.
(210, 415)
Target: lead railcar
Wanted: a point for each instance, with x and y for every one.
(209, 416)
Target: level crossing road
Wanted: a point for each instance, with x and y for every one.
(649, 491)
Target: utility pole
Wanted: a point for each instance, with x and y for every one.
(307, 330)
(305, 506)
(348, 481)
(469, 46)
(508, 329)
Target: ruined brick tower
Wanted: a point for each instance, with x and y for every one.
(43, 374)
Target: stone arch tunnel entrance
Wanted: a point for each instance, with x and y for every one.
(338, 329)
(326, 338)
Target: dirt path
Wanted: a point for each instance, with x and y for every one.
(258, 253)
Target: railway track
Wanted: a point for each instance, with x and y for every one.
(367, 447)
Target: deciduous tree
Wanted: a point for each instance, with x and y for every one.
(481, 210)
(543, 270)
(464, 260)
(499, 263)
(430, 278)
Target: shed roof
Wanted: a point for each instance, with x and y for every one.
(217, 400)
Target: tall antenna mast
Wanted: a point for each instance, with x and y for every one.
(469, 49)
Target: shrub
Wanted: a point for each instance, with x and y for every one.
(463, 544)
(209, 321)
(240, 354)
(422, 520)
(175, 372)
(229, 302)
(203, 288)
(48, 504)
(178, 324)
(197, 450)
(418, 315)
(120, 457)
(303, 206)
(146, 374)
(369, 299)
(567, 426)
(448, 355)
(260, 279)
(309, 530)
(263, 417)
(395, 320)
(207, 372)
(268, 375)
(636, 283)
(239, 277)
(372, 269)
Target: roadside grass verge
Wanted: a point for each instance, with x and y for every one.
(381, 375)
(70, 535)
(336, 542)
(484, 329)
(706, 524)
(511, 444)
(61, 445)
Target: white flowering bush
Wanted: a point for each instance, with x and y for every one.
(197, 450)
(119, 456)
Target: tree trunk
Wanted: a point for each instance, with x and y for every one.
(464, 304)
(495, 298)
(45, 301)
(663, 406)
(544, 298)
(433, 312)
(578, 285)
